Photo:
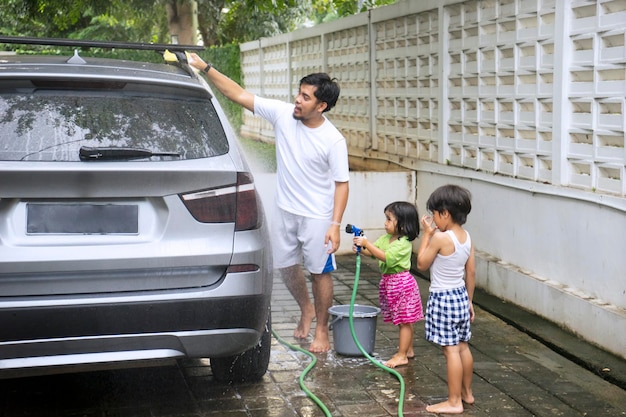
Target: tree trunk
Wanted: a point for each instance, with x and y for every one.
(208, 21)
(182, 19)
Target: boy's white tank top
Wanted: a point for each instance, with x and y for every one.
(448, 272)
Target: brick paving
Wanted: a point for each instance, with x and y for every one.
(514, 376)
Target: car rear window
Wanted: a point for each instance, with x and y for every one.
(51, 121)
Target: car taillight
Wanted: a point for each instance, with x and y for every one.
(248, 205)
(234, 203)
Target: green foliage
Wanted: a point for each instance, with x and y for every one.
(125, 29)
(328, 10)
(127, 20)
(247, 20)
(220, 21)
(226, 59)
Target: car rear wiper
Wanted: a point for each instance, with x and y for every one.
(88, 153)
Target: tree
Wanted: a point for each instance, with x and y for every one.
(236, 21)
(182, 20)
(123, 20)
(328, 10)
(218, 21)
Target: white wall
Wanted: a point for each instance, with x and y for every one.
(529, 89)
(370, 192)
(559, 256)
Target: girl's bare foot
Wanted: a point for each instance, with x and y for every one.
(304, 326)
(397, 360)
(445, 408)
(410, 354)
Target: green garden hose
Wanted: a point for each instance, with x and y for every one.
(358, 344)
(317, 401)
(308, 392)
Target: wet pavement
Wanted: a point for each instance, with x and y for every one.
(514, 374)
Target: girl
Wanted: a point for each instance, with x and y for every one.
(449, 254)
(399, 294)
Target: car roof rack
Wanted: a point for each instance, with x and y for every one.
(24, 40)
(167, 50)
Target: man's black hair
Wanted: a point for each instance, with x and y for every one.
(327, 88)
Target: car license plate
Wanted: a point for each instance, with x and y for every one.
(43, 218)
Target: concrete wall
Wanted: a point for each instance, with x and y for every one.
(370, 192)
(529, 89)
(555, 255)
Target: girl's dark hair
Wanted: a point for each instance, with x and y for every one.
(455, 199)
(327, 88)
(407, 219)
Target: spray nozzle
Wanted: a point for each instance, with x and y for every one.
(350, 228)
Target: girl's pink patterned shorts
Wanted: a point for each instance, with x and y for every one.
(400, 300)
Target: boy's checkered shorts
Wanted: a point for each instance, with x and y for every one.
(448, 317)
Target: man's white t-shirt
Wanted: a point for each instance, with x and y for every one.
(309, 161)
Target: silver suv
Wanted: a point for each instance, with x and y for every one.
(130, 226)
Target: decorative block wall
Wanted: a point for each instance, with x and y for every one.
(530, 89)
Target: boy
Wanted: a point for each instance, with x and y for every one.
(449, 254)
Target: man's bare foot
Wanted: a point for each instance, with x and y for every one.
(445, 408)
(321, 342)
(397, 360)
(304, 326)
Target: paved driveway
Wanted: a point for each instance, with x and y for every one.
(514, 375)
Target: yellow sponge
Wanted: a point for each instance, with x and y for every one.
(169, 57)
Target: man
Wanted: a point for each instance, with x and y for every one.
(312, 190)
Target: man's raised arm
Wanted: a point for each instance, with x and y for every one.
(225, 85)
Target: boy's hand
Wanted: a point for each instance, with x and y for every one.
(427, 224)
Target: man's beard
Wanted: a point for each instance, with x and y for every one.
(297, 117)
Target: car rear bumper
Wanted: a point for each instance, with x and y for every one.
(50, 355)
(49, 336)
